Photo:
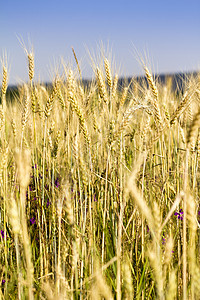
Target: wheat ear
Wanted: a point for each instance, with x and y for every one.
(123, 97)
(151, 83)
(114, 87)
(101, 86)
(4, 81)
(31, 65)
(182, 106)
(49, 104)
(60, 96)
(82, 120)
(75, 57)
(193, 131)
(4, 87)
(154, 101)
(108, 72)
(25, 110)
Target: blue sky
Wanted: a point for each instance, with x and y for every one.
(167, 31)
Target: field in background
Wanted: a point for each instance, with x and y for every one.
(99, 187)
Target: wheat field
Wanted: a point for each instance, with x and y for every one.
(99, 187)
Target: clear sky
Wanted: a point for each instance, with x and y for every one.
(169, 31)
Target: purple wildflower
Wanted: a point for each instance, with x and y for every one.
(3, 281)
(57, 184)
(95, 199)
(147, 228)
(2, 234)
(179, 214)
(48, 202)
(32, 220)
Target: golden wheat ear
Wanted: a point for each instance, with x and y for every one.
(4, 85)
(114, 87)
(154, 100)
(193, 131)
(31, 65)
(101, 86)
(4, 81)
(108, 72)
(76, 59)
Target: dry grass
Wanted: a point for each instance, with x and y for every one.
(99, 188)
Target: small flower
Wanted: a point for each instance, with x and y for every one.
(163, 239)
(3, 281)
(57, 184)
(2, 234)
(147, 228)
(48, 202)
(179, 214)
(32, 220)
